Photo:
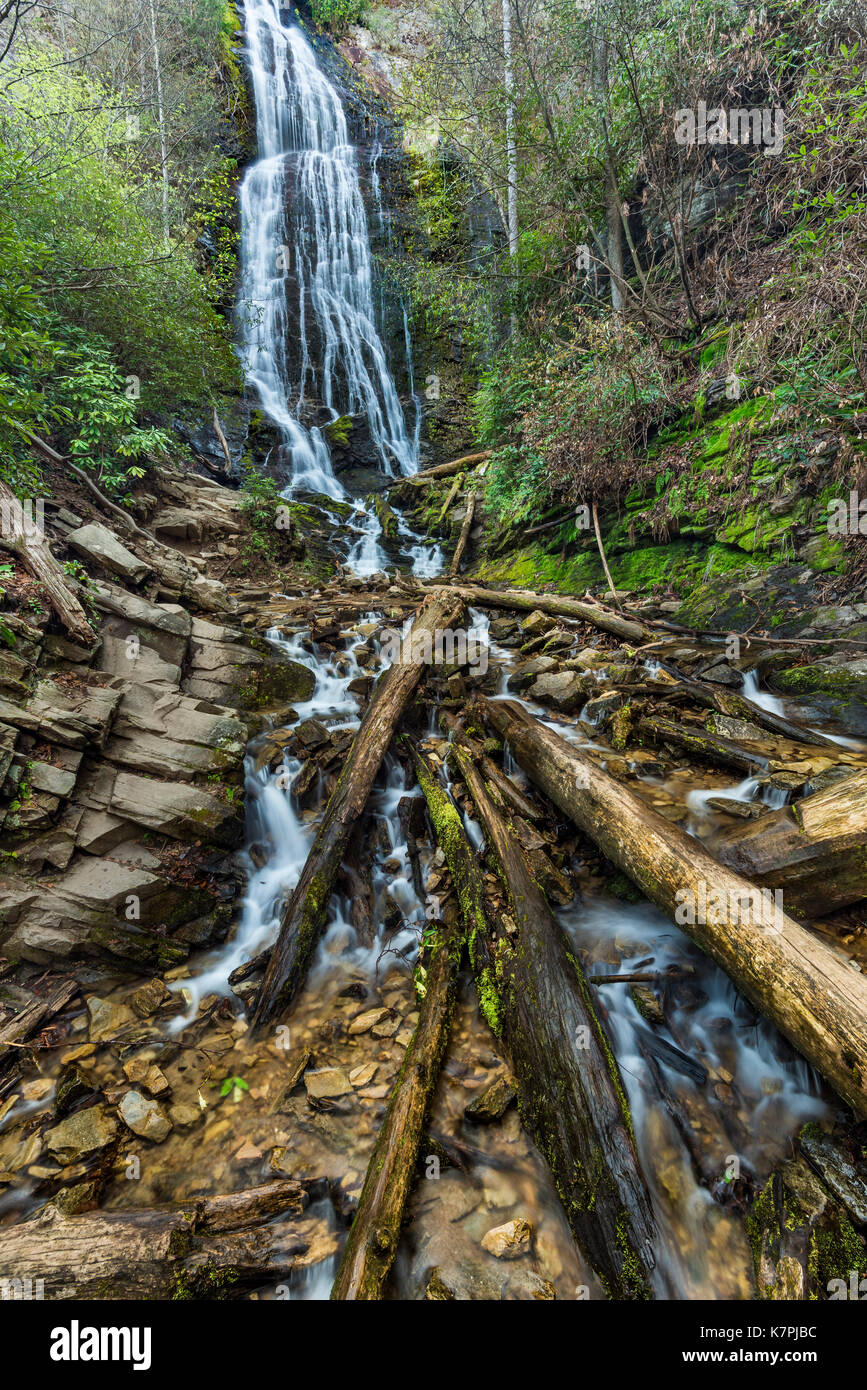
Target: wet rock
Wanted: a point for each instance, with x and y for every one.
(363, 1023)
(437, 1290)
(144, 1117)
(107, 1018)
(362, 1076)
(565, 690)
(73, 1085)
(746, 810)
(510, 1241)
(844, 1174)
(312, 733)
(723, 674)
(598, 710)
(537, 623)
(327, 1084)
(147, 999)
(493, 1102)
(647, 1004)
(184, 1116)
(81, 1196)
(82, 1133)
(102, 546)
(734, 728)
(527, 672)
(297, 1060)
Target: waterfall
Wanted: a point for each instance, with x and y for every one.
(311, 346)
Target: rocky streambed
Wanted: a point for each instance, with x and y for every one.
(163, 791)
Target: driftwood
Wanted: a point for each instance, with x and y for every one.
(22, 538)
(445, 470)
(791, 977)
(628, 629)
(305, 912)
(814, 850)
(701, 743)
(373, 1239)
(535, 997)
(211, 1248)
(464, 536)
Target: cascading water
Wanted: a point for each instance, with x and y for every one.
(307, 272)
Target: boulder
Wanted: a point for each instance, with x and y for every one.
(98, 544)
(564, 690)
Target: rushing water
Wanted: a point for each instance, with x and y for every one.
(307, 271)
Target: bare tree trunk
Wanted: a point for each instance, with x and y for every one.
(161, 121)
(464, 536)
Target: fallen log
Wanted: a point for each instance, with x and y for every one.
(814, 850)
(373, 1238)
(525, 600)
(211, 1248)
(304, 914)
(739, 707)
(23, 538)
(33, 1016)
(534, 995)
(464, 536)
(792, 978)
(450, 497)
(692, 738)
(445, 470)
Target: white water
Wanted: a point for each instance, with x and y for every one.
(307, 274)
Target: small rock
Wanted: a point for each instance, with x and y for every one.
(107, 1018)
(362, 1076)
(82, 1133)
(493, 1102)
(144, 1117)
(363, 1023)
(184, 1116)
(327, 1083)
(508, 1242)
(148, 998)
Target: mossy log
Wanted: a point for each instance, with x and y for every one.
(535, 997)
(210, 1248)
(525, 600)
(373, 1238)
(445, 470)
(814, 850)
(739, 707)
(710, 748)
(304, 914)
(794, 979)
(464, 536)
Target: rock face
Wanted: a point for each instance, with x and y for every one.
(138, 740)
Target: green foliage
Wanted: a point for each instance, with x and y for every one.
(336, 15)
(103, 434)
